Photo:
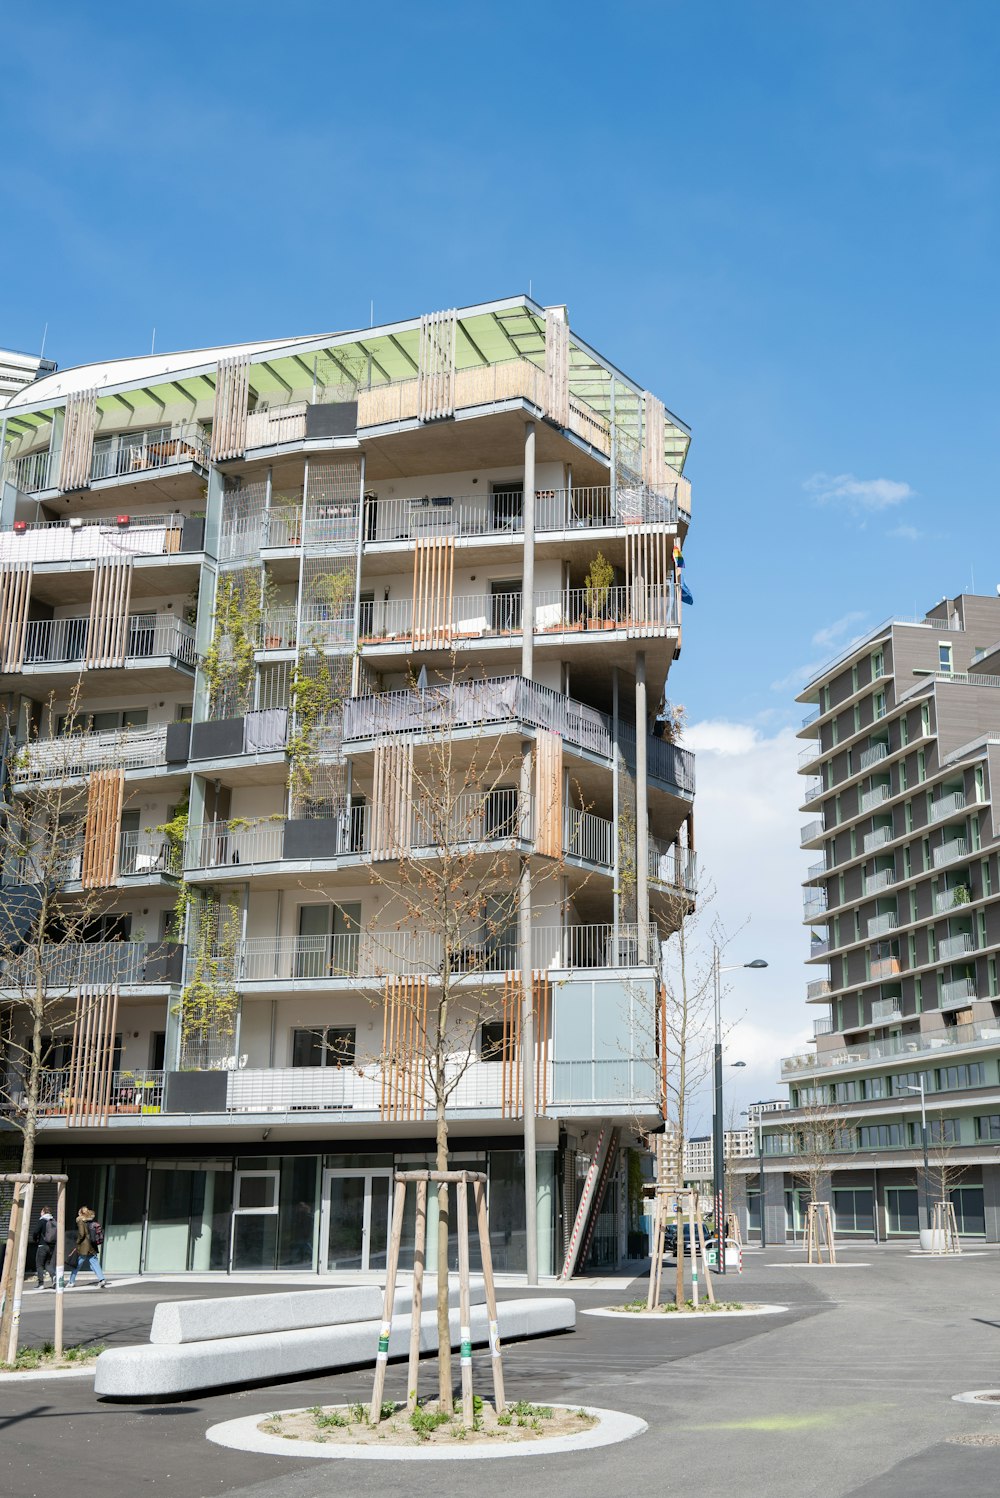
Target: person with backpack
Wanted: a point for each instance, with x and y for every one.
(85, 1255)
(44, 1238)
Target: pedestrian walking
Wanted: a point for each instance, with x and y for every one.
(86, 1252)
(44, 1238)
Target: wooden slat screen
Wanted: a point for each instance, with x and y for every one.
(654, 464)
(436, 366)
(548, 793)
(661, 1046)
(92, 1056)
(511, 1079)
(110, 596)
(649, 570)
(77, 453)
(557, 365)
(232, 397)
(392, 799)
(433, 591)
(15, 595)
(404, 1031)
(102, 834)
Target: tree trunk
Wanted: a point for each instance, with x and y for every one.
(29, 1130)
(443, 1323)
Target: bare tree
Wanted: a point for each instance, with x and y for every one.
(820, 1134)
(47, 911)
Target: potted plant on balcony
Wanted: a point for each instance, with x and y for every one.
(146, 1091)
(596, 589)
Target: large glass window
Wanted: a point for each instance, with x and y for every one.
(327, 1045)
(854, 1209)
(970, 1211)
(988, 1127)
(901, 1209)
(882, 1136)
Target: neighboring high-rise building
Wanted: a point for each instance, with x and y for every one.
(280, 572)
(903, 910)
(18, 370)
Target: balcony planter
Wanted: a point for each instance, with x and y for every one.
(272, 642)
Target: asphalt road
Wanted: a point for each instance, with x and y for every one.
(847, 1394)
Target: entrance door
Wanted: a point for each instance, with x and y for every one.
(354, 1230)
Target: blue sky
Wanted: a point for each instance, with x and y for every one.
(782, 217)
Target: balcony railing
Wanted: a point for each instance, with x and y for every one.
(371, 956)
(877, 839)
(875, 797)
(810, 717)
(873, 754)
(320, 626)
(880, 924)
(326, 526)
(29, 473)
(588, 837)
(674, 867)
(147, 853)
(886, 1011)
(470, 515)
(50, 642)
(811, 831)
(814, 791)
(817, 989)
(570, 611)
(952, 1037)
(813, 750)
(228, 844)
(950, 899)
(822, 1027)
(79, 754)
(130, 1092)
(947, 806)
(958, 992)
(129, 453)
(66, 965)
(885, 967)
(813, 903)
(86, 538)
(950, 947)
(950, 852)
(883, 879)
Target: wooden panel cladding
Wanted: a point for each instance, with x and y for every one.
(433, 591)
(111, 593)
(654, 465)
(77, 453)
(512, 1078)
(557, 365)
(548, 793)
(92, 1056)
(232, 399)
(392, 799)
(15, 595)
(404, 1035)
(649, 574)
(105, 797)
(436, 366)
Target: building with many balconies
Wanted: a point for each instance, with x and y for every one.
(276, 573)
(902, 906)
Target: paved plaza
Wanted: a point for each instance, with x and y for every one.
(849, 1393)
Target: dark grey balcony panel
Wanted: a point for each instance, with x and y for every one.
(310, 838)
(178, 745)
(338, 419)
(193, 533)
(164, 962)
(195, 1092)
(222, 739)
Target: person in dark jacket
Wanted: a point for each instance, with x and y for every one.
(86, 1250)
(44, 1238)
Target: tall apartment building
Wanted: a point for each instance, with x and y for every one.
(903, 910)
(281, 574)
(18, 370)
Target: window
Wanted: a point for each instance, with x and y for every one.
(854, 678)
(922, 771)
(495, 1042)
(925, 718)
(879, 704)
(940, 1130)
(875, 1087)
(327, 1045)
(256, 1191)
(157, 1049)
(902, 1082)
(105, 722)
(988, 1127)
(779, 1144)
(183, 712)
(951, 1077)
(854, 1210)
(970, 1214)
(882, 1136)
(878, 665)
(944, 657)
(848, 1092)
(901, 1209)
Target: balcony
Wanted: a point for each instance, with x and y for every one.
(810, 753)
(30, 473)
(79, 754)
(951, 852)
(814, 904)
(877, 839)
(885, 967)
(131, 1092)
(819, 988)
(822, 1027)
(872, 755)
(127, 454)
(875, 797)
(67, 965)
(818, 946)
(814, 790)
(673, 867)
(810, 718)
(147, 637)
(469, 516)
(811, 831)
(883, 879)
(817, 871)
(145, 854)
(958, 993)
(498, 615)
(886, 1011)
(947, 806)
(894, 1047)
(950, 899)
(84, 539)
(952, 947)
(365, 959)
(319, 626)
(880, 924)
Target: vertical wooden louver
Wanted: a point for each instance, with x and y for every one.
(111, 593)
(436, 366)
(232, 399)
(392, 799)
(512, 1061)
(557, 365)
(404, 1036)
(105, 798)
(654, 465)
(548, 793)
(92, 1056)
(649, 570)
(433, 591)
(77, 453)
(15, 595)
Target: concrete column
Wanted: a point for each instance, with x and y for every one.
(774, 1207)
(528, 1042)
(528, 576)
(615, 807)
(641, 802)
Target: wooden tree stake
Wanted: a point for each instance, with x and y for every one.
(486, 1254)
(419, 1252)
(382, 1357)
(465, 1308)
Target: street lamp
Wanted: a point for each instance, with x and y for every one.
(923, 1140)
(718, 1151)
(749, 1114)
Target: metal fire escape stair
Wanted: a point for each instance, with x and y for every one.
(591, 1200)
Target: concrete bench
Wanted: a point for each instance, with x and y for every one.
(244, 1339)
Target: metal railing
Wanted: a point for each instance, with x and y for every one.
(140, 452)
(811, 831)
(146, 853)
(883, 879)
(588, 837)
(273, 425)
(674, 867)
(150, 636)
(810, 718)
(880, 924)
(822, 1027)
(566, 611)
(818, 988)
(817, 870)
(950, 852)
(947, 806)
(130, 1092)
(502, 513)
(950, 947)
(89, 538)
(873, 754)
(957, 991)
(814, 903)
(813, 750)
(951, 899)
(885, 1011)
(813, 792)
(29, 473)
(78, 754)
(65, 965)
(213, 845)
(877, 839)
(874, 797)
(954, 1037)
(885, 967)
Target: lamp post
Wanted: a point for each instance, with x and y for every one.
(758, 1117)
(718, 1148)
(923, 1139)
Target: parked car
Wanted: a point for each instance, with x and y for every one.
(670, 1238)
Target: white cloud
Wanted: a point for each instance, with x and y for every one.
(747, 832)
(826, 638)
(906, 533)
(852, 493)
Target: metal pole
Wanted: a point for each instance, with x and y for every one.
(60, 1265)
(528, 561)
(760, 1153)
(927, 1165)
(528, 1042)
(718, 1154)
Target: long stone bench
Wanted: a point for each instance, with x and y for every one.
(244, 1339)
